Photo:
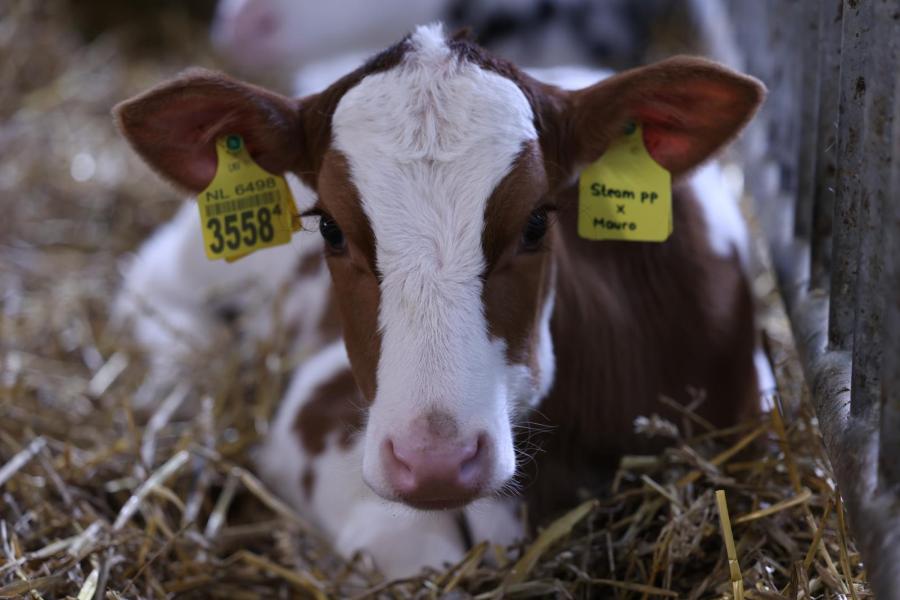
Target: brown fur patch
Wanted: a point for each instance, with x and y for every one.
(330, 323)
(308, 482)
(310, 265)
(354, 275)
(336, 405)
(516, 281)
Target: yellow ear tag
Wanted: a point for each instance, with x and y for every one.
(245, 208)
(625, 195)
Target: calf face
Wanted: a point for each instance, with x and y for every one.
(437, 170)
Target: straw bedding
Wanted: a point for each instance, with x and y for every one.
(97, 501)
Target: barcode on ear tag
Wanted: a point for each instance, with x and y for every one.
(245, 208)
(625, 194)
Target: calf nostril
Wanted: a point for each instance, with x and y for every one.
(472, 465)
(399, 472)
(394, 459)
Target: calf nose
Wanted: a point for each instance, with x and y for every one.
(436, 473)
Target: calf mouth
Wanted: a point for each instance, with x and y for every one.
(439, 504)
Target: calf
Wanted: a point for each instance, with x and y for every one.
(469, 305)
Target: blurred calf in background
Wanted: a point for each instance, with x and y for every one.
(318, 39)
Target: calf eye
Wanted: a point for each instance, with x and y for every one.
(535, 229)
(333, 235)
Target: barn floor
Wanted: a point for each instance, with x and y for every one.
(98, 501)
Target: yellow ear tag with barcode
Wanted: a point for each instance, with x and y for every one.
(625, 195)
(245, 208)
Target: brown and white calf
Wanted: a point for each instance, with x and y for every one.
(444, 181)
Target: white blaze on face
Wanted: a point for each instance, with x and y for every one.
(427, 142)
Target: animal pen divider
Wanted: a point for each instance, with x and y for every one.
(823, 165)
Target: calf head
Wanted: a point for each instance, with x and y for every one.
(437, 169)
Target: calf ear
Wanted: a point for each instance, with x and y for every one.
(174, 126)
(689, 108)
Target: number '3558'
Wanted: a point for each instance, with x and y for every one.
(236, 229)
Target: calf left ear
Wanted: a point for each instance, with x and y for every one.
(689, 108)
(174, 126)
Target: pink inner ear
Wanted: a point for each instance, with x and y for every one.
(665, 139)
(205, 169)
(684, 123)
(666, 146)
(198, 129)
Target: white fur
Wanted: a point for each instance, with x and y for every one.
(546, 358)
(727, 233)
(400, 540)
(317, 76)
(427, 143)
(171, 293)
(726, 229)
(495, 520)
(569, 77)
(765, 379)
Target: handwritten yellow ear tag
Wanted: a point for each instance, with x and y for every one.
(245, 208)
(625, 195)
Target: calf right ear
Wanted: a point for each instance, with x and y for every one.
(689, 109)
(174, 126)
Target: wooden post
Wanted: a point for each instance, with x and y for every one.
(878, 89)
(847, 233)
(889, 453)
(808, 117)
(830, 24)
(856, 23)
